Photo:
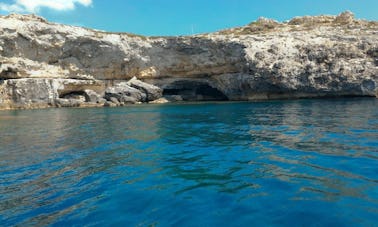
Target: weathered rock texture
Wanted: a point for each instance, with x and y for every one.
(44, 64)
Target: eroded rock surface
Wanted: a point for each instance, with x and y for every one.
(123, 93)
(44, 64)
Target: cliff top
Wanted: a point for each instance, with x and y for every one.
(261, 26)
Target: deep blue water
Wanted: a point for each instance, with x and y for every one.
(278, 163)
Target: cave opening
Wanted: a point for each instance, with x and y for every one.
(78, 95)
(194, 91)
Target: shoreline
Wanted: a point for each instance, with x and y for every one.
(93, 105)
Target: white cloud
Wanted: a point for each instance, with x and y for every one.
(33, 6)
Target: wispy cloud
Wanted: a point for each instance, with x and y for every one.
(33, 6)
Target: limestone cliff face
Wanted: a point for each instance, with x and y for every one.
(45, 64)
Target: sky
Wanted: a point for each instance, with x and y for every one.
(180, 17)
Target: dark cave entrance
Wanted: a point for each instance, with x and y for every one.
(78, 95)
(194, 91)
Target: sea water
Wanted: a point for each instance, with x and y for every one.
(276, 163)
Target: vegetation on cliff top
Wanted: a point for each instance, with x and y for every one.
(264, 25)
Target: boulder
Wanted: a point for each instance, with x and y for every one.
(128, 100)
(92, 96)
(152, 92)
(109, 104)
(123, 93)
(346, 17)
(160, 101)
(67, 102)
(114, 100)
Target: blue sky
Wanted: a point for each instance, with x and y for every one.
(180, 17)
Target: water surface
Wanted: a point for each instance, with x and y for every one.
(278, 163)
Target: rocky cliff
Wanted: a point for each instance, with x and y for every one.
(44, 64)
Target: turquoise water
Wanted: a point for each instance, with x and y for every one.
(278, 163)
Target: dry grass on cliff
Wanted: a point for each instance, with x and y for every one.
(306, 23)
(260, 26)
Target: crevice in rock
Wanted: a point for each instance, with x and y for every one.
(8, 73)
(194, 91)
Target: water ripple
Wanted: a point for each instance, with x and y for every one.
(307, 162)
